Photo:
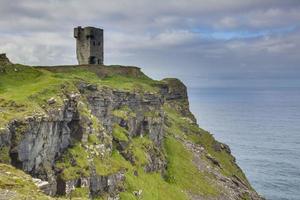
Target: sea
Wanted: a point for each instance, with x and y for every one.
(262, 128)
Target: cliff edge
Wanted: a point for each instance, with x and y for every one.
(107, 132)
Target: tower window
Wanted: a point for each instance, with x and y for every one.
(94, 43)
(99, 43)
(92, 60)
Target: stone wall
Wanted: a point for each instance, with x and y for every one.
(89, 45)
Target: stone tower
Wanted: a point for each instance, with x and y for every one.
(89, 45)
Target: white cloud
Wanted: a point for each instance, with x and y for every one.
(166, 35)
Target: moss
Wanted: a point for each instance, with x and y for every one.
(4, 155)
(119, 133)
(74, 163)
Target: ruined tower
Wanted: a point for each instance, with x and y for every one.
(89, 45)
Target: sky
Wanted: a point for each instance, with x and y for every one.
(206, 43)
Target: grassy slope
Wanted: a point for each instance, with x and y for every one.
(17, 185)
(23, 91)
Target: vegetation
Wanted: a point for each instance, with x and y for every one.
(4, 155)
(124, 113)
(182, 127)
(74, 163)
(16, 185)
(229, 168)
(152, 186)
(181, 170)
(20, 95)
(119, 133)
(110, 165)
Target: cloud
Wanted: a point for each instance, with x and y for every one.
(194, 38)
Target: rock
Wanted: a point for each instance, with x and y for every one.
(4, 59)
(106, 184)
(213, 160)
(51, 101)
(74, 96)
(42, 185)
(91, 87)
(218, 146)
(138, 193)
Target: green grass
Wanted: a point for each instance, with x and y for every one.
(229, 168)
(141, 85)
(153, 186)
(29, 88)
(25, 91)
(119, 133)
(181, 170)
(4, 155)
(124, 113)
(93, 139)
(19, 184)
(181, 126)
(110, 165)
(74, 163)
(140, 146)
(80, 193)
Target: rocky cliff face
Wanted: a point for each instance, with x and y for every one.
(93, 136)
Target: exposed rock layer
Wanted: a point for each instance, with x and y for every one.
(97, 121)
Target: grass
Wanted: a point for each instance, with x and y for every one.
(182, 127)
(80, 194)
(124, 113)
(139, 147)
(152, 185)
(93, 139)
(19, 184)
(25, 90)
(29, 88)
(110, 165)
(119, 133)
(181, 170)
(229, 167)
(74, 163)
(4, 155)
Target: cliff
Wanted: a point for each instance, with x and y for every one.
(107, 132)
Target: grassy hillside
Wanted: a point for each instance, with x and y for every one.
(25, 91)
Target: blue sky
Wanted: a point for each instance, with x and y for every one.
(206, 43)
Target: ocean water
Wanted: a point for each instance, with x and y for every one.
(262, 128)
